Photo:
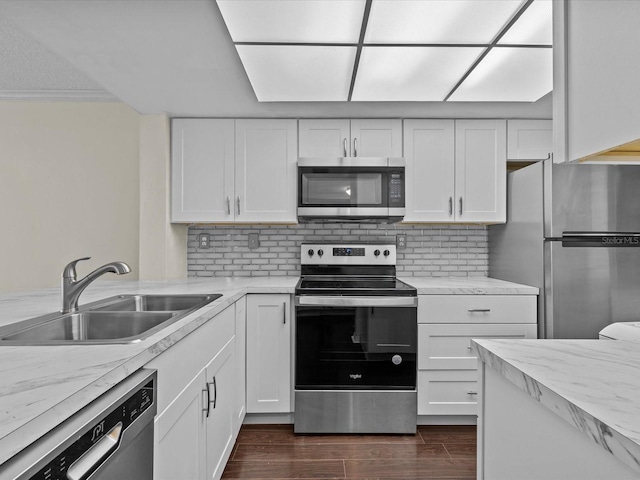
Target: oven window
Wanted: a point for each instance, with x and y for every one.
(351, 189)
(356, 347)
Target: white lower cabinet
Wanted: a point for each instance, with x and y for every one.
(240, 407)
(218, 410)
(268, 353)
(195, 425)
(447, 367)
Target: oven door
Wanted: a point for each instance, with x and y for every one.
(353, 343)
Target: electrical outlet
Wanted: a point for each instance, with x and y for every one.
(204, 240)
(401, 241)
(254, 240)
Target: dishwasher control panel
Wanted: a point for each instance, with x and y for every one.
(98, 440)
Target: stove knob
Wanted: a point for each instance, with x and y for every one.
(320, 252)
(376, 253)
(386, 253)
(396, 359)
(310, 252)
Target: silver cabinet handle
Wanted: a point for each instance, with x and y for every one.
(450, 206)
(284, 313)
(215, 392)
(228, 205)
(469, 347)
(238, 203)
(208, 402)
(460, 205)
(470, 392)
(96, 454)
(344, 146)
(355, 147)
(479, 310)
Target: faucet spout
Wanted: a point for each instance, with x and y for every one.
(72, 288)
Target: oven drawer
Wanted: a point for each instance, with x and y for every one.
(448, 346)
(477, 309)
(448, 392)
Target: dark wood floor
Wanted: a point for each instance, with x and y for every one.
(274, 452)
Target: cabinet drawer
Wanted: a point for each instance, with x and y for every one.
(477, 309)
(447, 392)
(444, 346)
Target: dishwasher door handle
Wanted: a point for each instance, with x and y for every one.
(96, 454)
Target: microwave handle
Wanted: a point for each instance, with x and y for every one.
(344, 147)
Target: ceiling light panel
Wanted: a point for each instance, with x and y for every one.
(308, 21)
(438, 21)
(411, 73)
(534, 27)
(283, 73)
(509, 74)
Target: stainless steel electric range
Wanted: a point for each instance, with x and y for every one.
(356, 342)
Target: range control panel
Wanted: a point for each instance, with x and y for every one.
(356, 254)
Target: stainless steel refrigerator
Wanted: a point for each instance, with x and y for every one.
(573, 230)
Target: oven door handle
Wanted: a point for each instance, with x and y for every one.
(342, 301)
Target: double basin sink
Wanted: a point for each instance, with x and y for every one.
(120, 319)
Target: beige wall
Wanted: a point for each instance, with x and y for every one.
(69, 188)
(163, 246)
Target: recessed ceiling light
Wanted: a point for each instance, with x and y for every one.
(308, 21)
(509, 74)
(298, 73)
(411, 73)
(438, 21)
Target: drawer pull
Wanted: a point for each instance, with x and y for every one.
(471, 393)
(469, 347)
(479, 310)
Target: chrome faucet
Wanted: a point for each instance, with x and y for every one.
(72, 288)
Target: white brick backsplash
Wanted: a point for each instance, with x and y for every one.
(432, 251)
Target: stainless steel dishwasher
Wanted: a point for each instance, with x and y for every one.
(111, 438)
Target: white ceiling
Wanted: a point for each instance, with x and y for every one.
(168, 56)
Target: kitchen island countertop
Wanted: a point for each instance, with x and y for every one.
(41, 386)
(591, 384)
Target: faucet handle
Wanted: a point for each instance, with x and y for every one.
(70, 270)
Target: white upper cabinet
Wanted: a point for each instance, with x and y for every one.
(456, 171)
(430, 170)
(202, 169)
(350, 138)
(265, 175)
(529, 139)
(481, 171)
(233, 171)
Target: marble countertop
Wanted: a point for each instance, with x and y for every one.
(467, 286)
(41, 386)
(592, 384)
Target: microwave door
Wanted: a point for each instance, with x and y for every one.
(342, 190)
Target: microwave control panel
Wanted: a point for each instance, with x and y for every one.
(396, 189)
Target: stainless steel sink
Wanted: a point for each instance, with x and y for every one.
(153, 303)
(120, 319)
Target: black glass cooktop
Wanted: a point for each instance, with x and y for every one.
(354, 286)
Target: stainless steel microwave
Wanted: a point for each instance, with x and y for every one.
(351, 189)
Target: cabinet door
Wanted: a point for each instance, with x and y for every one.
(324, 138)
(529, 139)
(179, 433)
(430, 169)
(448, 346)
(268, 354)
(481, 171)
(202, 170)
(220, 421)
(241, 363)
(265, 175)
(376, 138)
